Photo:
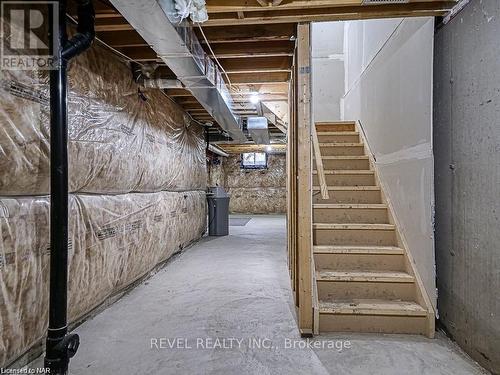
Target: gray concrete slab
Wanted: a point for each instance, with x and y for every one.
(236, 289)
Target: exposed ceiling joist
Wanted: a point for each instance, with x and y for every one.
(258, 78)
(251, 49)
(251, 147)
(238, 98)
(225, 6)
(249, 33)
(258, 64)
(335, 13)
(127, 38)
(178, 93)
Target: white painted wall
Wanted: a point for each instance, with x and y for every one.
(389, 90)
(327, 70)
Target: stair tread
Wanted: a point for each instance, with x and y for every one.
(354, 226)
(343, 144)
(337, 133)
(335, 122)
(367, 276)
(348, 188)
(372, 307)
(350, 205)
(332, 249)
(345, 157)
(346, 171)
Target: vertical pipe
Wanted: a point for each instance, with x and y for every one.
(59, 346)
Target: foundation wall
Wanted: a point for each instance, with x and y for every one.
(467, 165)
(252, 191)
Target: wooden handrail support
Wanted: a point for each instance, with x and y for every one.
(319, 163)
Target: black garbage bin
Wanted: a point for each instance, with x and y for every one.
(218, 211)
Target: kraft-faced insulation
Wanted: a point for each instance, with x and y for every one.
(118, 142)
(137, 174)
(113, 240)
(252, 191)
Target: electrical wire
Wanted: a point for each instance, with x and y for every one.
(213, 55)
(114, 50)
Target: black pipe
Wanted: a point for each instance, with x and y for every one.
(60, 346)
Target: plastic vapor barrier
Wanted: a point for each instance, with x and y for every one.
(252, 191)
(113, 241)
(137, 180)
(257, 200)
(119, 141)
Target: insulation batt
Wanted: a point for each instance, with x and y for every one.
(252, 191)
(118, 142)
(137, 175)
(113, 241)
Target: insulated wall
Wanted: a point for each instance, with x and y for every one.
(389, 90)
(113, 240)
(137, 180)
(252, 191)
(467, 165)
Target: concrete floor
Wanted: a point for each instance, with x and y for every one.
(236, 289)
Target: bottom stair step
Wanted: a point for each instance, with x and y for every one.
(372, 307)
(367, 276)
(374, 316)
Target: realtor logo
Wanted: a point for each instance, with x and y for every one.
(25, 29)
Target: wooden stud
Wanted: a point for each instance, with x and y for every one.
(304, 184)
(291, 166)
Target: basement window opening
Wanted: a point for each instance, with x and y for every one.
(254, 160)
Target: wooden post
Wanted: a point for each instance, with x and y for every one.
(304, 179)
(291, 184)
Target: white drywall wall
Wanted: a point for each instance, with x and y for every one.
(389, 83)
(327, 70)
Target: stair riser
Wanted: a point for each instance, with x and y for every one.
(342, 150)
(362, 164)
(346, 180)
(335, 127)
(340, 196)
(324, 138)
(347, 290)
(373, 324)
(350, 215)
(339, 262)
(354, 237)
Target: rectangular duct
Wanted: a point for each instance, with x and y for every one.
(175, 43)
(257, 127)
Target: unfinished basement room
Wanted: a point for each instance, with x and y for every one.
(208, 187)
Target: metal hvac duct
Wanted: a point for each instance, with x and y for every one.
(174, 41)
(257, 127)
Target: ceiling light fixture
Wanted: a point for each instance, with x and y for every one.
(254, 99)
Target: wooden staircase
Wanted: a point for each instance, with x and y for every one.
(365, 279)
